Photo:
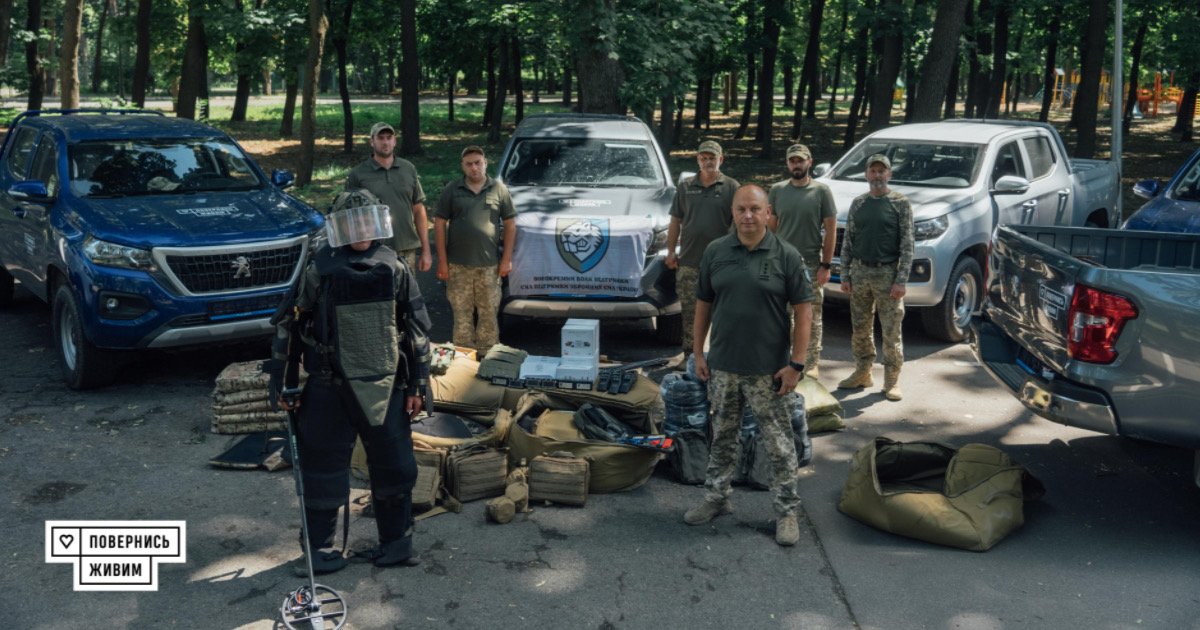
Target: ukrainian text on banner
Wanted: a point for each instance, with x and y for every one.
(579, 256)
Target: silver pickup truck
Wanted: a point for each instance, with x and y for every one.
(1096, 328)
(964, 178)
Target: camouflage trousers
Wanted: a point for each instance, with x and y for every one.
(871, 293)
(685, 286)
(729, 394)
(409, 256)
(812, 356)
(474, 294)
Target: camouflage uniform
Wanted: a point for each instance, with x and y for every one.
(409, 256)
(685, 286)
(729, 394)
(812, 356)
(474, 291)
(871, 283)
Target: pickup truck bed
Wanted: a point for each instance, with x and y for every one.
(1096, 328)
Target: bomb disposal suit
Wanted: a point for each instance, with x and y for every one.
(357, 318)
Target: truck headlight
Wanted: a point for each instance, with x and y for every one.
(930, 229)
(113, 255)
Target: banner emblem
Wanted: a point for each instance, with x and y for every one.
(582, 243)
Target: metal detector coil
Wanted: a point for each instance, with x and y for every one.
(302, 611)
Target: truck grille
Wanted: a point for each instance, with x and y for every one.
(255, 266)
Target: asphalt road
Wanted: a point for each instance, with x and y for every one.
(1112, 545)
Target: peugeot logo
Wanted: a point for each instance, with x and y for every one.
(241, 267)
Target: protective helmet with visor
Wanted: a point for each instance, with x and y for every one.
(357, 216)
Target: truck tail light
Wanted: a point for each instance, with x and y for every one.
(1096, 320)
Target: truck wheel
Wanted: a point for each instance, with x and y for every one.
(669, 329)
(948, 320)
(6, 287)
(83, 365)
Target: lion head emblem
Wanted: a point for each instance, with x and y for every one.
(582, 243)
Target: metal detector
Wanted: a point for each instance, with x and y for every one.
(310, 605)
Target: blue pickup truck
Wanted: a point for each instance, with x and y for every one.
(143, 231)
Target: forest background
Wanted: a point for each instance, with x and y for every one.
(752, 74)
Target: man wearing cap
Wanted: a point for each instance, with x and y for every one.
(475, 207)
(803, 214)
(394, 181)
(750, 281)
(700, 214)
(877, 253)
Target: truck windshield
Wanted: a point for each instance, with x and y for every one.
(1188, 186)
(117, 168)
(928, 164)
(582, 162)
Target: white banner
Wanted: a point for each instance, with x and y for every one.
(579, 256)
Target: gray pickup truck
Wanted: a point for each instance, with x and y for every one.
(1096, 328)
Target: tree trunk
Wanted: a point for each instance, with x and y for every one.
(837, 65)
(6, 9)
(664, 123)
(501, 87)
(789, 84)
(745, 124)
(1187, 109)
(96, 74)
(141, 60)
(983, 79)
(451, 88)
(973, 63)
(1089, 79)
(766, 80)
(68, 60)
(410, 75)
(318, 25)
(49, 26)
(291, 87)
(1049, 74)
(860, 82)
(600, 75)
(518, 84)
(999, 60)
(940, 61)
(885, 79)
(1134, 72)
(952, 83)
(37, 72)
(566, 85)
(339, 46)
(537, 82)
(490, 101)
(194, 68)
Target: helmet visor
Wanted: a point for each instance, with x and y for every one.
(353, 225)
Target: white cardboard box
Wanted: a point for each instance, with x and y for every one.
(577, 370)
(581, 339)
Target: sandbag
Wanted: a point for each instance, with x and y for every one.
(817, 400)
(250, 422)
(559, 479)
(613, 468)
(474, 471)
(460, 390)
(824, 422)
(969, 498)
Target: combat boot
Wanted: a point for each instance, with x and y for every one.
(787, 531)
(813, 372)
(860, 378)
(891, 385)
(324, 561)
(707, 511)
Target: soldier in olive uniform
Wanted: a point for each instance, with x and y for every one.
(699, 215)
(803, 214)
(474, 208)
(750, 282)
(877, 253)
(394, 181)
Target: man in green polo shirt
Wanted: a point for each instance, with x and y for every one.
(749, 283)
(474, 207)
(803, 214)
(394, 181)
(699, 215)
(877, 253)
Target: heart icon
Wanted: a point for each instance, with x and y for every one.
(66, 540)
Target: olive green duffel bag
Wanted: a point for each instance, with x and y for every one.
(971, 497)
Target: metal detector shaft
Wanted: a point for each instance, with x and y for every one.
(291, 424)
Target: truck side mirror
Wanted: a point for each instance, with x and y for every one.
(283, 179)
(683, 176)
(29, 189)
(1010, 185)
(1146, 189)
(821, 169)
